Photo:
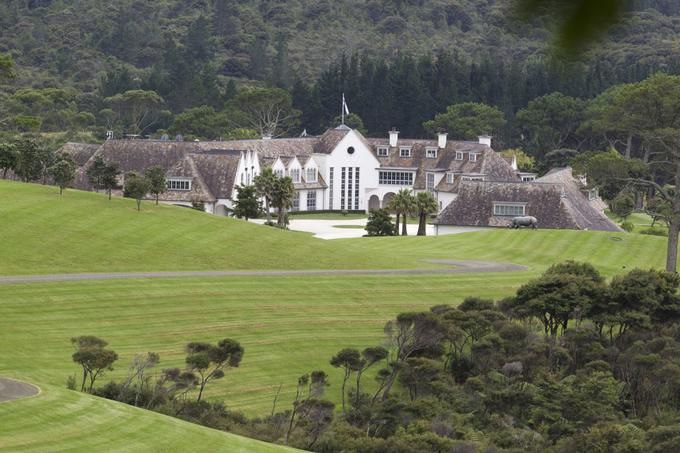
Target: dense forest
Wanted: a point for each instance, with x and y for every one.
(82, 66)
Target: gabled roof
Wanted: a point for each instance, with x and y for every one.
(488, 162)
(267, 149)
(585, 215)
(330, 139)
(555, 200)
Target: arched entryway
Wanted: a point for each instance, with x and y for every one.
(387, 198)
(373, 202)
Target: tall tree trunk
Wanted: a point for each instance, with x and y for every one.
(421, 224)
(4, 173)
(61, 190)
(156, 199)
(672, 251)
(403, 226)
(109, 194)
(344, 382)
(268, 212)
(396, 227)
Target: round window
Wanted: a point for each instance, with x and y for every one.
(350, 150)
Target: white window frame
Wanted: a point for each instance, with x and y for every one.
(528, 178)
(296, 201)
(395, 178)
(431, 153)
(459, 155)
(278, 173)
(472, 157)
(450, 178)
(295, 175)
(508, 209)
(429, 181)
(383, 151)
(311, 171)
(311, 196)
(472, 178)
(404, 152)
(178, 184)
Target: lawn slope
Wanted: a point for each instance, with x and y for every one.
(59, 419)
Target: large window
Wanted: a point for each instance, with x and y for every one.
(450, 177)
(508, 209)
(473, 157)
(356, 188)
(295, 174)
(472, 178)
(278, 173)
(330, 187)
(404, 152)
(179, 184)
(396, 178)
(383, 151)
(311, 175)
(459, 155)
(430, 181)
(431, 153)
(296, 201)
(311, 200)
(343, 182)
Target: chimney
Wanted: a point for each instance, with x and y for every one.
(485, 140)
(441, 139)
(394, 136)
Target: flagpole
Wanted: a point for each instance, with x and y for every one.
(342, 109)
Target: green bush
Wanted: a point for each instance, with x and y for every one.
(655, 232)
(627, 226)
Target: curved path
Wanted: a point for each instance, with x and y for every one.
(14, 390)
(460, 267)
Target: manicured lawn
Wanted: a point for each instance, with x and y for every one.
(288, 326)
(62, 420)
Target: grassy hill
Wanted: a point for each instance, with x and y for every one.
(287, 325)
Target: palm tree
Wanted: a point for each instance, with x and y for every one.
(282, 198)
(425, 205)
(392, 207)
(404, 204)
(265, 184)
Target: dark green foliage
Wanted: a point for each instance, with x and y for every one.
(9, 157)
(137, 187)
(628, 227)
(34, 158)
(156, 177)
(380, 223)
(91, 354)
(63, 172)
(246, 205)
(623, 205)
(209, 362)
(655, 232)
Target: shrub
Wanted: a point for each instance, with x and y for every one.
(655, 232)
(627, 226)
(380, 223)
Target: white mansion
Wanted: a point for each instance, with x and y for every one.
(340, 170)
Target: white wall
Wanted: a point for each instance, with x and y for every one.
(362, 158)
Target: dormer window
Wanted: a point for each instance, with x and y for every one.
(459, 155)
(278, 173)
(473, 157)
(431, 153)
(179, 184)
(295, 175)
(311, 175)
(450, 177)
(383, 151)
(404, 152)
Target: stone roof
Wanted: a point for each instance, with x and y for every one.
(584, 212)
(217, 169)
(555, 200)
(80, 152)
(474, 204)
(330, 139)
(488, 162)
(267, 149)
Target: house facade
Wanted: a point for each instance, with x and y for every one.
(341, 170)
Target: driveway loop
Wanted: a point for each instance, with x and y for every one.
(11, 389)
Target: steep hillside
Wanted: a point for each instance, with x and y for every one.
(75, 40)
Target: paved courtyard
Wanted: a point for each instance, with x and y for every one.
(333, 229)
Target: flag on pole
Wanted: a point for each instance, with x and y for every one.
(345, 109)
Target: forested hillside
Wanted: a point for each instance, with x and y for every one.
(93, 65)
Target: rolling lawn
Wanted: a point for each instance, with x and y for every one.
(287, 325)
